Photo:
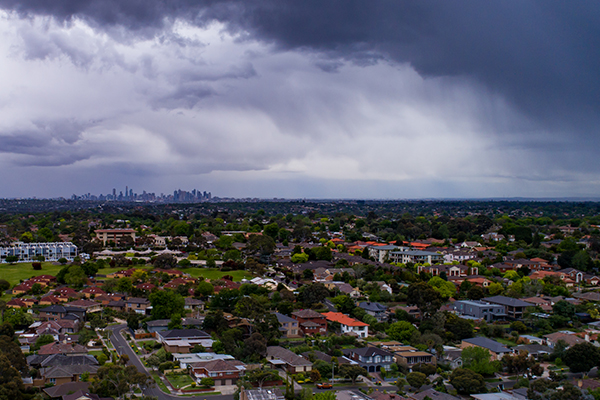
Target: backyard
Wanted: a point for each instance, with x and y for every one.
(214, 273)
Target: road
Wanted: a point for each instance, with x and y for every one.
(122, 347)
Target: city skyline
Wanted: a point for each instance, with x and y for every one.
(335, 99)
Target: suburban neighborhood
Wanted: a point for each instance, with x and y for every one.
(252, 305)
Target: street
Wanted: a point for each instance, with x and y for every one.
(122, 347)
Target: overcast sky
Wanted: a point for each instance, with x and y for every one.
(311, 98)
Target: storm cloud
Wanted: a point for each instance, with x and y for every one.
(428, 98)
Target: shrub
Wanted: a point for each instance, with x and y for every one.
(37, 266)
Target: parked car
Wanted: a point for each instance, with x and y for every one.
(324, 385)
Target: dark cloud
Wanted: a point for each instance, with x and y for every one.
(47, 143)
(541, 55)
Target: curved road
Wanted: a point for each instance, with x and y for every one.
(122, 347)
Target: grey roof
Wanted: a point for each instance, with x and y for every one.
(507, 301)
(159, 322)
(286, 355)
(51, 360)
(369, 306)
(433, 395)
(368, 351)
(534, 348)
(283, 318)
(67, 371)
(184, 333)
(69, 387)
(264, 394)
(489, 344)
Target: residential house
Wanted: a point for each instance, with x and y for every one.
(87, 305)
(62, 348)
(138, 305)
(569, 338)
(310, 322)
(480, 309)
(290, 361)
(223, 372)
(348, 325)
(496, 349)
(187, 359)
(55, 392)
(289, 326)
(53, 313)
(536, 350)
(92, 292)
(373, 359)
(514, 307)
(58, 375)
(377, 310)
(193, 305)
(261, 394)
(183, 340)
(432, 394)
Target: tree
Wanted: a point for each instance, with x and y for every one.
(114, 380)
(466, 381)
(260, 245)
(564, 309)
(477, 359)
(166, 303)
(582, 357)
(12, 259)
(42, 341)
(344, 304)
(426, 298)
(207, 382)
(352, 372)
(165, 261)
(249, 307)
(215, 322)
(133, 321)
(255, 347)
(416, 379)
(75, 276)
(11, 350)
(475, 292)
(226, 299)
(11, 385)
(519, 363)
(401, 331)
(299, 258)
(313, 294)
(495, 289)
(204, 289)
(271, 230)
(445, 288)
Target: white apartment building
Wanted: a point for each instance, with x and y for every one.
(28, 252)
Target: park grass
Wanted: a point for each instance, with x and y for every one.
(214, 273)
(179, 381)
(15, 273)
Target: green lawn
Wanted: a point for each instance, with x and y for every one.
(214, 273)
(14, 273)
(159, 382)
(179, 381)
